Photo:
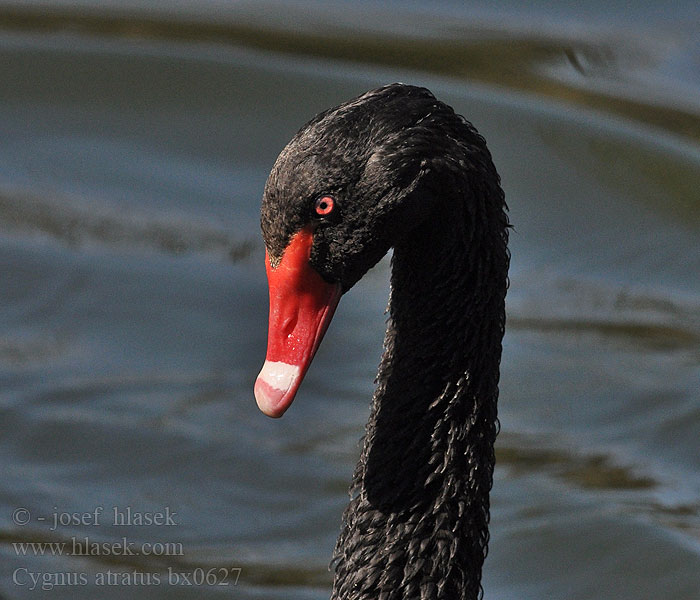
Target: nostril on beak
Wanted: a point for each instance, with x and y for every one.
(288, 325)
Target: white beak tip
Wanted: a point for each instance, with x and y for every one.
(275, 387)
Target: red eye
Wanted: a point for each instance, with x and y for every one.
(325, 205)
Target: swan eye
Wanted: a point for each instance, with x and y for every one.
(324, 206)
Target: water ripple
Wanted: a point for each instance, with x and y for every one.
(517, 59)
(76, 224)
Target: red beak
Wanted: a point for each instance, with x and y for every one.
(302, 304)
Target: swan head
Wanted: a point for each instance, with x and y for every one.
(352, 182)
(373, 157)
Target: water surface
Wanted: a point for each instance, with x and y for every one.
(133, 316)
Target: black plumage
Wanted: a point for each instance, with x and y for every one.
(407, 172)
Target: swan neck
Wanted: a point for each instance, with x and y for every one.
(419, 510)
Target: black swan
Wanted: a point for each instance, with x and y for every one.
(397, 168)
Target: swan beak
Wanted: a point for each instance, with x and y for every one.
(302, 304)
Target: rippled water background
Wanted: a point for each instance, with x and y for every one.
(134, 145)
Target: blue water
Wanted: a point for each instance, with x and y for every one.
(133, 311)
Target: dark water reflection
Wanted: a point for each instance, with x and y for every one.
(133, 316)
